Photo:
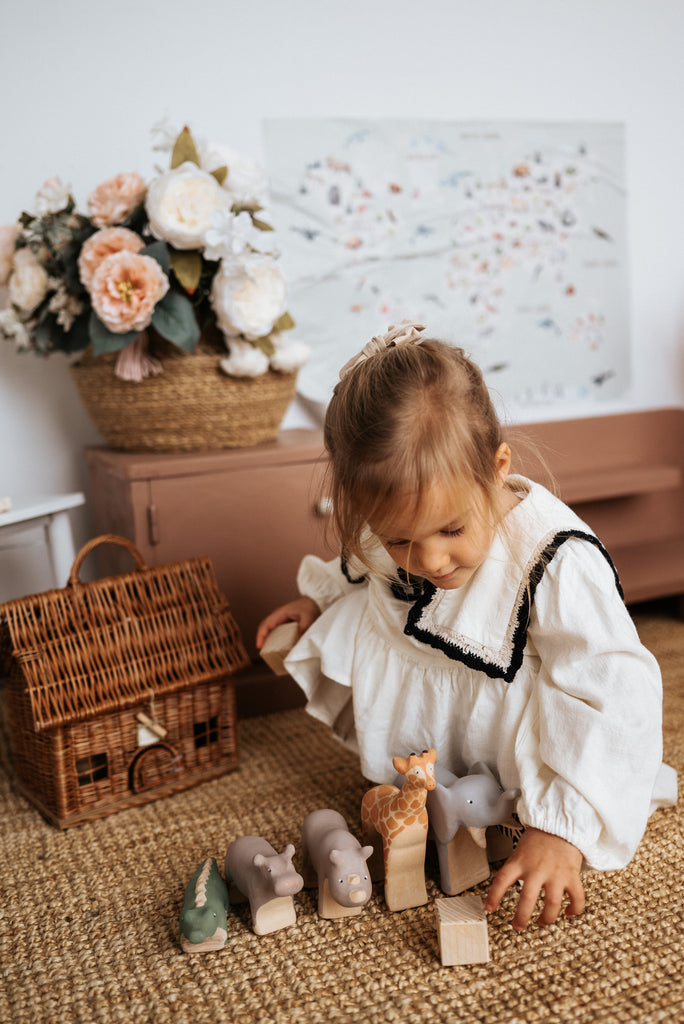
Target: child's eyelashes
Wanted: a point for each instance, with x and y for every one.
(454, 531)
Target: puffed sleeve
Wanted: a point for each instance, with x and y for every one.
(325, 582)
(593, 744)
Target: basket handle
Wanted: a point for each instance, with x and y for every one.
(106, 538)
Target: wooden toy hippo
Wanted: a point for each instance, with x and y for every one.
(266, 878)
(204, 917)
(335, 861)
(472, 802)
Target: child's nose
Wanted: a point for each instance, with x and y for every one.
(432, 557)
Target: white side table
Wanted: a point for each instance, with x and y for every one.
(53, 515)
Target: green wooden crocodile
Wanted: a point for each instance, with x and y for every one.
(204, 917)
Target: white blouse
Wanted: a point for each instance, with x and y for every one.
(533, 666)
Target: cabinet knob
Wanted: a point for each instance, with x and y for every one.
(324, 508)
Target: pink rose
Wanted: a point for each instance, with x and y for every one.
(8, 236)
(102, 244)
(125, 289)
(114, 200)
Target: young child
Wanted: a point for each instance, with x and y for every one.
(473, 612)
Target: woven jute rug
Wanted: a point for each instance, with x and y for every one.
(89, 917)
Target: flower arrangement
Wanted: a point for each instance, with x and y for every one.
(188, 255)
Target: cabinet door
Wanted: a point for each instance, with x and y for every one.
(254, 523)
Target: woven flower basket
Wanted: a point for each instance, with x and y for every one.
(191, 406)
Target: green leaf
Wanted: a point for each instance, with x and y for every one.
(265, 344)
(104, 340)
(174, 319)
(284, 323)
(44, 338)
(159, 251)
(78, 337)
(221, 173)
(187, 266)
(184, 150)
(261, 224)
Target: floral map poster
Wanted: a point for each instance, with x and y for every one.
(507, 238)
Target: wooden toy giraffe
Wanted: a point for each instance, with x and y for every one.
(399, 818)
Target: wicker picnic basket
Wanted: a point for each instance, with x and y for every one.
(120, 691)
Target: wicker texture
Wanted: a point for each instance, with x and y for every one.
(191, 406)
(86, 660)
(89, 918)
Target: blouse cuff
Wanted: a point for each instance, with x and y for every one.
(582, 834)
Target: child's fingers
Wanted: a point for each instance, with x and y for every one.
(503, 879)
(553, 900)
(577, 900)
(276, 618)
(526, 905)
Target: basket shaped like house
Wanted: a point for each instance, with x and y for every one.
(120, 691)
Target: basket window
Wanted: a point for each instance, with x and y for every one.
(206, 732)
(91, 769)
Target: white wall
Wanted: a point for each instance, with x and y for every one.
(84, 81)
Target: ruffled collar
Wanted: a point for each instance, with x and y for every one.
(484, 623)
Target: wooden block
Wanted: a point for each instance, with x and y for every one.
(278, 645)
(462, 930)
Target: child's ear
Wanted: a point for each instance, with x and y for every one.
(502, 463)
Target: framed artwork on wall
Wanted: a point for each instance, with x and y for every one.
(507, 238)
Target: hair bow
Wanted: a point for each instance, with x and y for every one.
(405, 333)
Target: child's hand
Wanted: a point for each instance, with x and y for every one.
(541, 861)
(303, 611)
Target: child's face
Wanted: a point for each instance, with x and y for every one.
(449, 540)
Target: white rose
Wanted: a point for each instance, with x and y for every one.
(248, 295)
(246, 179)
(289, 354)
(231, 234)
(28, 283)
(180, 205)
(8, 236)
(51, 198)
(13, 329)
(244, 360)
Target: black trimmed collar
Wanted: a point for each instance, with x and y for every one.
(496, 667)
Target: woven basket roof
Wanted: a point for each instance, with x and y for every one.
(93, 648)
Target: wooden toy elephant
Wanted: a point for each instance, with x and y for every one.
(204, 917)
(266, 878)
(472, 802)
(336, 862)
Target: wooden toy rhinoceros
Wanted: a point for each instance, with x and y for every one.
(336, 862)
(266, 878)
(204, 917)
(472, 802)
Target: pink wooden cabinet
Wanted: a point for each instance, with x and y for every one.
(253, 511)
(256, 511)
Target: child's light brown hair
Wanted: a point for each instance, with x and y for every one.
(402, 419)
